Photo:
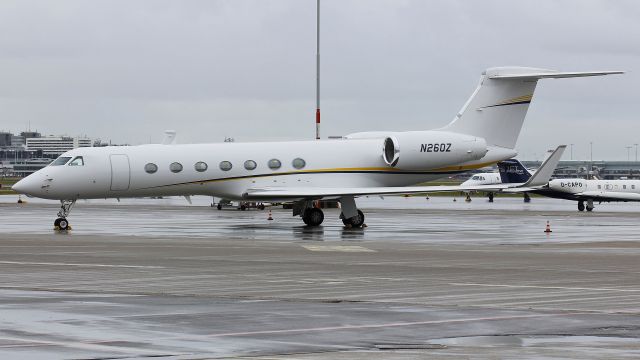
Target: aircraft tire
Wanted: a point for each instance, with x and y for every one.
(219, 207)
(580, 206)
(62, 224)
(356, 221)
(589, 208)
(313, 217)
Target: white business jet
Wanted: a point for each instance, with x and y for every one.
(580, 190)
(384, 163)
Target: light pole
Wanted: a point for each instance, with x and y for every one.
(628, 149)
(317, 69)
(636, 145)
(572, 151)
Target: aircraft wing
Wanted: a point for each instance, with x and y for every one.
(609, 195)
(539, 179)
(320, 192)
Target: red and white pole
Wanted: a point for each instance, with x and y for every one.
(317, 69)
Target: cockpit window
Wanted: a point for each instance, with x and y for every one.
(61, 160)
(78, 161)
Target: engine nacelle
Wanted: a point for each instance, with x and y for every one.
(420, 150)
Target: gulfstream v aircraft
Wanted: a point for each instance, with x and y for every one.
(482, 133)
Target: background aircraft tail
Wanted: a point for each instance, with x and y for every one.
(497, 108)
(513, 172)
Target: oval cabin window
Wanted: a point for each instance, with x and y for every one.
(274, 164)
(175, 167)
(151, 168)
(225, 166)
(201, 166)
(250, 165)
(298, 163)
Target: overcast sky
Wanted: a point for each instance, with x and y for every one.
(127, 70)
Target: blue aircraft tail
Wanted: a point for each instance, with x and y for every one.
(512, 171)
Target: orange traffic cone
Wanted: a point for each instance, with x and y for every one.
(548, 228)
(270, 217)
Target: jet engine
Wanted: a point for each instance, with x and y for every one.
(420, 150)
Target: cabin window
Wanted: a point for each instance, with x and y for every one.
(633, 186)
(225, 166)
(61, 160)
(599, 187)
(201, 166)
(624, 187)
(250, 165)
(298, 163)
(151, 168)
(175, 167)
(78, 161)
(274, 164)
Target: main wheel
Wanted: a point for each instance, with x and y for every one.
(219, 206)
(580, 206)
(590, 208)
(313, 217)
(356, 221)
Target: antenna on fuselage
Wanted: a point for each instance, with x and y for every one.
(169, 137)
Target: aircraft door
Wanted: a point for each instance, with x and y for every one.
(120, 172)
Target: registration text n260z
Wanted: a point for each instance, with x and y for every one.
(443, 147)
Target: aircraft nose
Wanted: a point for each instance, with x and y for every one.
(25, 186)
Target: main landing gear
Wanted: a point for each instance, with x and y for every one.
(589, 206)
(355, 221)
(61, 223)
(313, 216)
(351, 216)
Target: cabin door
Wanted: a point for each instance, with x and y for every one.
(120, 176)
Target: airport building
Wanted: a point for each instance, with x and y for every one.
(26, 153)
(56, 145)
(608, 170)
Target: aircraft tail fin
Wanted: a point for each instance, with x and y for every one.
(497, 108)
(545, 171)
(513, 172)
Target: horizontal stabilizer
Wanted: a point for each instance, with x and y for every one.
(553, 75)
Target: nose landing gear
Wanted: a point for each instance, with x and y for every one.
(61, 223)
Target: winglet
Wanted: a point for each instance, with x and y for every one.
(543, 174)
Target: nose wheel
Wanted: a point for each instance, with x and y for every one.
(61, 223)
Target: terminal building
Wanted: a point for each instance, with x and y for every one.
(602, 169)
(28, 152)
(607, 170)
(53, 146)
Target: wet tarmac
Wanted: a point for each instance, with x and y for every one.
(427, 278)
